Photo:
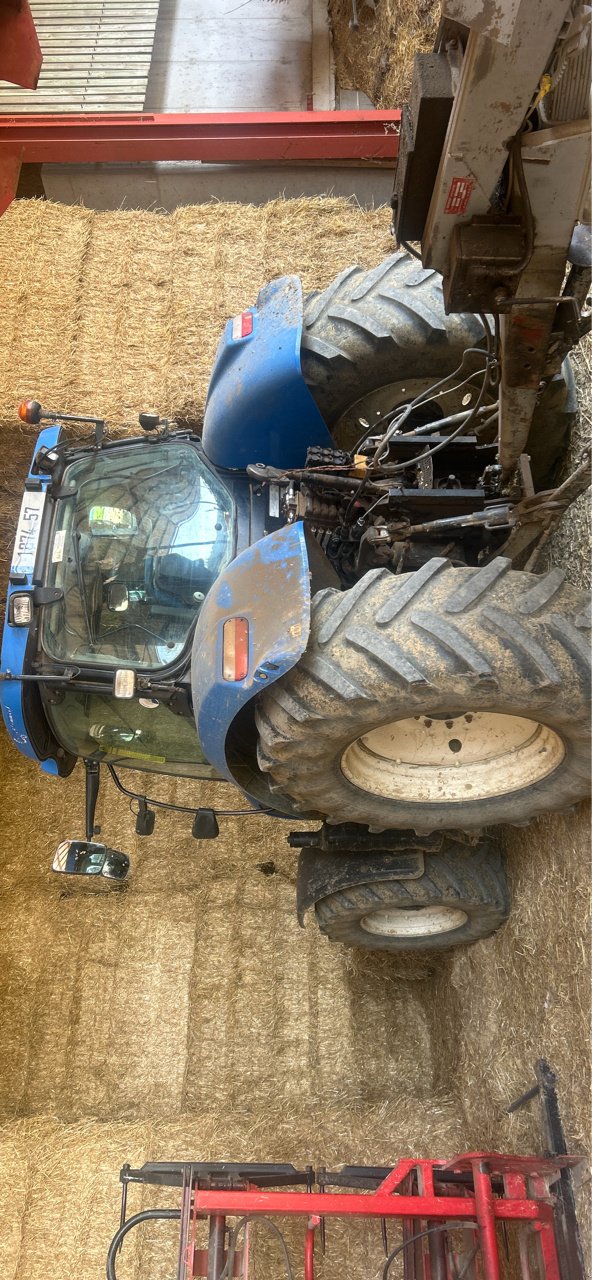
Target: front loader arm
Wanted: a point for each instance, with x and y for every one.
(507, 88)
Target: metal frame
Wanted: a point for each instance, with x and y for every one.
(496, 81)
(498, 76)
(571, 1256)
(480, 1192)
(281, 137)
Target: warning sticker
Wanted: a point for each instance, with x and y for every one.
(459, 194)
(57, 554)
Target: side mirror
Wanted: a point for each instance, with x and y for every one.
(87, 858)
(117, 598)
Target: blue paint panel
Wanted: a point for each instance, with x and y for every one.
(50, 766)
(14, 643)
(259, 408)
(269, 585)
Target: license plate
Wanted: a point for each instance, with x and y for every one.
(27, 533)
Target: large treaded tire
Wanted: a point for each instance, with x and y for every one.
(439, 642)
(369, 329)
(457, 879)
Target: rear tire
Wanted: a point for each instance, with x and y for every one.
(461, 898)
(445, 699)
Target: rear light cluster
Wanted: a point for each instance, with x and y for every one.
(235, 649)
(242, 326)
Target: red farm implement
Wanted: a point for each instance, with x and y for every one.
(470, 1218)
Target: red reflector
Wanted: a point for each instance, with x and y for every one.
(242, 325)
(235, 649)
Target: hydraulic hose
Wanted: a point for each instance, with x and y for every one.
(147, 1215)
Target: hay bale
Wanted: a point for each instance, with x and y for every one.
(95, 1003)
(144, 1005)
(378, 58)
(316, 1027)
(532, 979)
(14, 1188)
(134, 303)
(70, 1210)
(42, 257)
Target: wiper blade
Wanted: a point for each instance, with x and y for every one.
(138, 626)
(82, 588)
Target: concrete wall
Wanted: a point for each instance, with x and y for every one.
(162, 186)
(217, 55)
(224, 55)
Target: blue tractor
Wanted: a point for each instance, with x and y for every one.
(325, 596)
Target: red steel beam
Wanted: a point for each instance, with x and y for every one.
(20, 55)
(281, 137)
(377, 1205)
(220, 138)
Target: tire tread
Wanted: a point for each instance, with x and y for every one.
(491, 657)
(475, 882)
(453, 640)
(478, 584)
(533, 654)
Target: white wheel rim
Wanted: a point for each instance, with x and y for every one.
(410, 922)
(474, 756)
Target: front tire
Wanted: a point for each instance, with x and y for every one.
(372, 338)
(379, 329)
(445, 699)
(462, 896)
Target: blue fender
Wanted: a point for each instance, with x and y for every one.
(259, 408)
(14, 639)
(269, 585)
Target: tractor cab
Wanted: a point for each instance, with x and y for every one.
(117, 547)
(137, 535)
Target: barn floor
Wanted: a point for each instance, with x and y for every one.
(186, 1014)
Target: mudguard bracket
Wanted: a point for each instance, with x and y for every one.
(320, 874)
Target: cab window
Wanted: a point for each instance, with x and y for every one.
(135, 550)
(135, 734)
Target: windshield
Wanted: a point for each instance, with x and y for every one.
(135, 550)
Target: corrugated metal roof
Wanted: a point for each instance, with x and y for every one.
(96, 56)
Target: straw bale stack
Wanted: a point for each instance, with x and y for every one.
(111, 313)
(182, 1001)
(201, 917)
(525, 993)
